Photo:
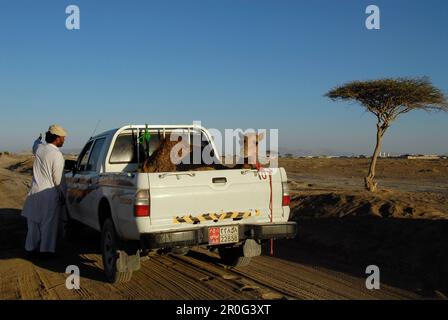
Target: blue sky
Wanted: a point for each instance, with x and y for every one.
(230, 64)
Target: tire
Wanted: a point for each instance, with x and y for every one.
(182, 251)
(232, 257)
(110, 253)
(242, 255)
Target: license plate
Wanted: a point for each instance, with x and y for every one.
(221, 235)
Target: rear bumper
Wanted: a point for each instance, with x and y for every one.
(199, 236)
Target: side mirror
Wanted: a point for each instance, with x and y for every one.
(70, 166)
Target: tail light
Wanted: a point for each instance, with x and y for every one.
(286, 200)
(142, 206)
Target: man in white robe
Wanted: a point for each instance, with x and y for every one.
(45, 202)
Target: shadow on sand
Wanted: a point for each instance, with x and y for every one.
(411, 254)
(13, 229)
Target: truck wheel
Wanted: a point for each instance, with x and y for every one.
(182, 251)
(232, 257)
(240, 256)
(110, 254)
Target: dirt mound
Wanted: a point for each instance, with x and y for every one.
(385, 204)
(25, 166)
(13, 189)
(404, 233)
(15, 180)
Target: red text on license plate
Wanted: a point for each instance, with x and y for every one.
(221, 235)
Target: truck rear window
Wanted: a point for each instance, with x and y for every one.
(125, 149)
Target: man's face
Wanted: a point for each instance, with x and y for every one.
(60, 142)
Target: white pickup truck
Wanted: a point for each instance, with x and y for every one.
(232, 211)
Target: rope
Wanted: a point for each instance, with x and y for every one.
(259, 168)
(272, 214)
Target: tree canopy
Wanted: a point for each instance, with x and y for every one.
(388, 98)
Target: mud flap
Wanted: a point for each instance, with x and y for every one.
(128, 263)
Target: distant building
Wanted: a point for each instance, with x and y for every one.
(422, 157)
(384, 155)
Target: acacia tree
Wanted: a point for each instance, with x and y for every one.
(387, 99)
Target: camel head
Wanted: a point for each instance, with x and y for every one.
(250, 142)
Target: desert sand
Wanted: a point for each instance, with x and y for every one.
(342, 229)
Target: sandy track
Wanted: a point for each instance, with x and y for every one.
(199, 275)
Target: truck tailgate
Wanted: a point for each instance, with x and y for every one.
(215, 197)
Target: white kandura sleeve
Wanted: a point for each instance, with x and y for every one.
(36, 145)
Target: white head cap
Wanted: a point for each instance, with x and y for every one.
(57, 130)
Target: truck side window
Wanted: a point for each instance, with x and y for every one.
(84, 157)
(92, 164)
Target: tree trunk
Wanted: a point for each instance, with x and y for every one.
(370, 183)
